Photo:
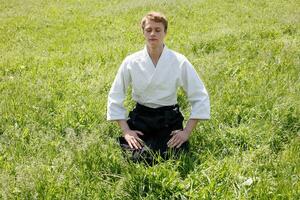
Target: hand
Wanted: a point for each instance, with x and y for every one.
(179, 137)
(132, 138)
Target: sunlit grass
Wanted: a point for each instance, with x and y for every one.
(59, 58)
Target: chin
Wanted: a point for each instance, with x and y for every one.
(154, 44)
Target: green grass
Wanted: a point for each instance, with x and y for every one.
(59, 58)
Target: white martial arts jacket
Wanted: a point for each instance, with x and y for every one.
(156, 86)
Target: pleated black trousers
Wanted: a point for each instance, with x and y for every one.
(156, 124)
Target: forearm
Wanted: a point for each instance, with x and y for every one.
(123, 125)
(190, 125)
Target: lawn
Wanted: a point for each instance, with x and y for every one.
(58, 60)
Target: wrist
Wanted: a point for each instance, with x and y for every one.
(125, 130)
(123, 126)
(187, 131)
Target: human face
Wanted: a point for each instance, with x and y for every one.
(154, 33)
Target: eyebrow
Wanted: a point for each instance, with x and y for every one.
(157, 27)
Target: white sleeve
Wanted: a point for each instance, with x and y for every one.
(195, 91)
(117, 94)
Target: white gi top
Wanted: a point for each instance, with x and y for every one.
(157, 86)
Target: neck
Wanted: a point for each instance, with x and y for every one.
(155, 52)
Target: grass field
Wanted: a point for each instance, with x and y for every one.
(58, 60)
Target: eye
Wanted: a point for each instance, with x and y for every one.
(148, 30)
(157, 30)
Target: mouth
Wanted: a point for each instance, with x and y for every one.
(152, 39)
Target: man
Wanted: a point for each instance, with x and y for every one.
(155, 73)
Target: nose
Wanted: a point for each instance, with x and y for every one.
(152, 33)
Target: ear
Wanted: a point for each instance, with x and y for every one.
(165, 31)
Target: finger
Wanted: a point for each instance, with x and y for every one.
(139, 140)
(175, 138)
(133, 145)
(129, 143)
(133, 142)
(174, 132)
(171, 140)
(139, 132)
(179, 145)
(175, 142)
